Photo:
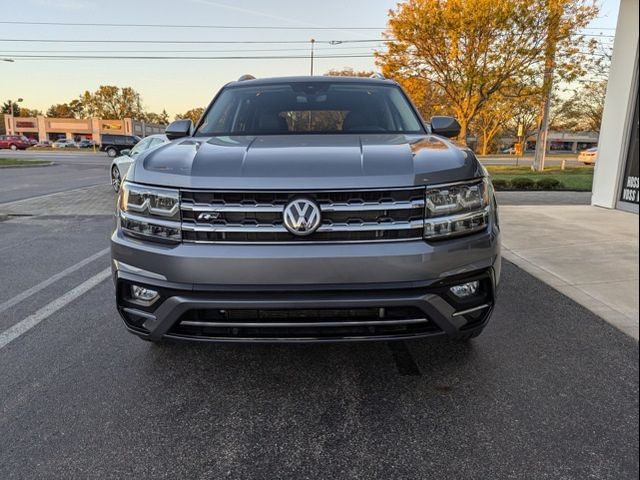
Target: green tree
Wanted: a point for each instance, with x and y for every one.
(19, 111)
(473, 50)
(29, 112)
(112, 102)
(159, 118)
(73, 109)
(582, 111)
(490, 121)
(348, 72)
(525, 113)
(6, 108)
(194, 114)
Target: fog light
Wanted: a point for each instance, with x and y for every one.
(466, 289)
(143, 294)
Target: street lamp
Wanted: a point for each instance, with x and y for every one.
(13, 127)
(11, 102)
(313, 41)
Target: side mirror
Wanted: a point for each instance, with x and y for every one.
(178, 129)
(445, 126)
(125, 152)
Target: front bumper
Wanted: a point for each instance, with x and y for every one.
(306, 293)
(287, 314)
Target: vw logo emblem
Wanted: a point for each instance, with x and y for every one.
(301, 216)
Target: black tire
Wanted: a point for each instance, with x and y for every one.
(111, 152)
(116, 178)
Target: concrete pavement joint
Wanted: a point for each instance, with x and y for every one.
(618, 319)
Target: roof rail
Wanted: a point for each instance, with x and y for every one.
(377, 75)
(246, 76)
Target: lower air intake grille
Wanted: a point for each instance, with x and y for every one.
(304, 324)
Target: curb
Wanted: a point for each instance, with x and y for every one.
(29, 199)
(26, 165)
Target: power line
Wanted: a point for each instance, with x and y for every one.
(288, 49)
(220, 27)
(207, 57)
(55, 40)
(221, 42)
(169, 57)
(166, 25)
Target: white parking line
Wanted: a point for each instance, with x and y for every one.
(44, 284)
(34, 319)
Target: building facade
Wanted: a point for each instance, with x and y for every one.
(616, 178)
(43, 128)
(557, 142)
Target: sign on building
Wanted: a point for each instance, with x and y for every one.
(630, 191)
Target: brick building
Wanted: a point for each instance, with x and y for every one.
(50, 129)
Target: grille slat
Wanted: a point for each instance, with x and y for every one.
(256, 217)
(270, 208)
(301, 324)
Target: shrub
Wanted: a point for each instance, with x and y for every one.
(501, 183)
(523, 183)
(548, 183)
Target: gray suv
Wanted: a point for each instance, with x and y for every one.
(307, 209)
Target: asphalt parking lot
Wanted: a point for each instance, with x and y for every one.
(548, 391)
(69, 170)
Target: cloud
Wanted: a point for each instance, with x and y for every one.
(262, 14)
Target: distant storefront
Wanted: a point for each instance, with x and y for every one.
(50, 129)
(557, 142)
(616, 178)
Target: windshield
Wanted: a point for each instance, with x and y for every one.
(310, 108)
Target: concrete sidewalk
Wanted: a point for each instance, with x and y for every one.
(588, 253)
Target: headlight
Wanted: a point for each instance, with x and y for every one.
(456, 209)
(149, 212)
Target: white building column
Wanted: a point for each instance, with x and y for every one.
(619, 107)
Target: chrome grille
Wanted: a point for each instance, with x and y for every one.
(347, 215)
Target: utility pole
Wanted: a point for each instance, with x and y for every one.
(555, 9)
(313, 41)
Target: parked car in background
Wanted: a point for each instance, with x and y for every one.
(115, 144)
(33, 142)
(588, 156)
(64, 143)
(120, 165)
(86, 144)
(14, 142)
(510, 150)
(44, 144)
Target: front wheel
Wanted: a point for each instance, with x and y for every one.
(116, 179)
(112, 152)
(13, 147)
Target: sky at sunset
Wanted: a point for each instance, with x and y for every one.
(180, 84)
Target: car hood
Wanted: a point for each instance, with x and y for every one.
(305, 162)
